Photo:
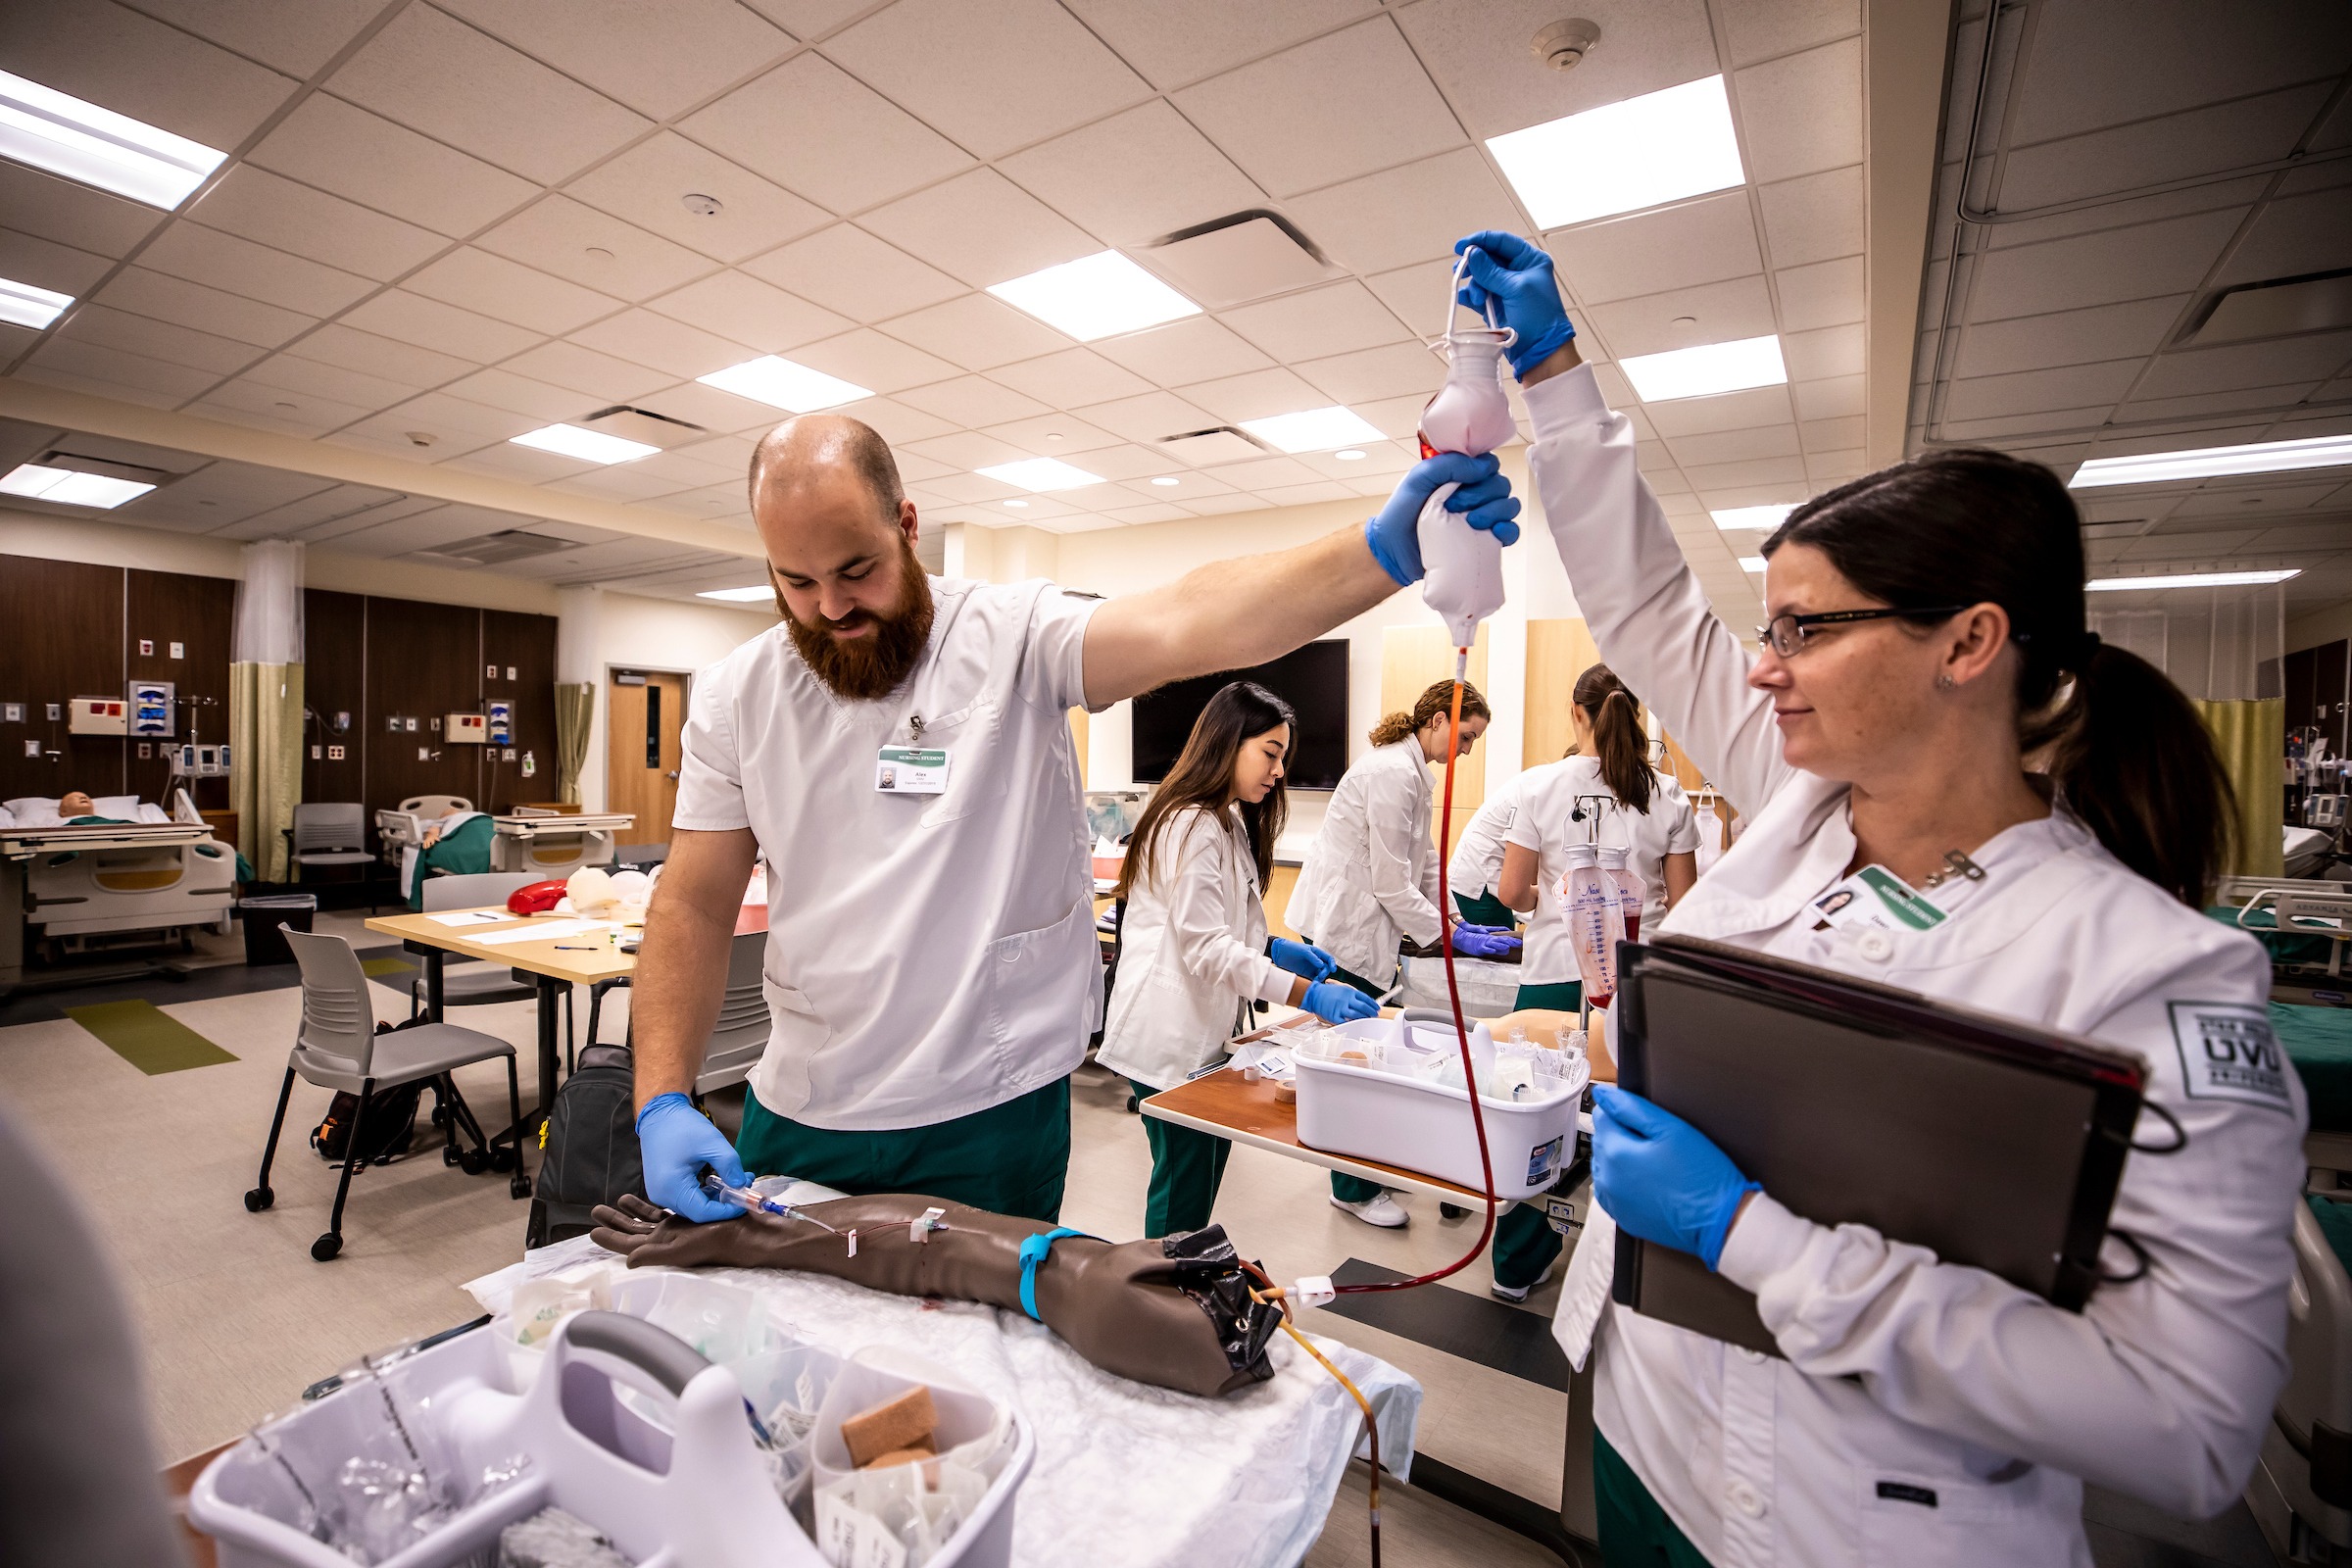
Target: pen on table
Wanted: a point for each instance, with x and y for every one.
(573, 946)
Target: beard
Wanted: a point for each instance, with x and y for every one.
(871, 667)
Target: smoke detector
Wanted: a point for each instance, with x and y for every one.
(699, 205)
(1563, 45)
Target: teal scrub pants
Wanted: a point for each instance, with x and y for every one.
(1354, 1189)
(1187, 1166)
(1010, 1159)
(1486, 909)
(1525, 1243)
(1635, 1532)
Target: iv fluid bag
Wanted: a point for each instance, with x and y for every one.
(1462, 564)
(1596, 925)
(1470, 413)
(1628, 900)
(1710, 835)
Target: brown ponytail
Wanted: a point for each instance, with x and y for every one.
(1622, 749)
(1434, 702)
(2129, 755)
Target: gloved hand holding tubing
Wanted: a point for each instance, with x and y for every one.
(1516, 276)
(1483, 941)
(1302, 959)
(1661, 1178)
(677, 1140)
(1483, 501)
(1335, 1002)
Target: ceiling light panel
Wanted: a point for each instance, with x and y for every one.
(1096, 296)
(1041, 474)
(1759, 519)
(56, 132)
(1622, 157)
(32, 307)
(781, 384)
(2193, 580)
(1703, 372)
(1313, 430)
(589, 446)
(2207, 462)
(69, 488)
(1754, 564)
(739, 596)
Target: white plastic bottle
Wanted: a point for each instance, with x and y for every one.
(1462, 564)
(1628, 890)
(1595, 922)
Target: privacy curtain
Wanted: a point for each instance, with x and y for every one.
(266, 705)
(575, 707)
(2251, 736)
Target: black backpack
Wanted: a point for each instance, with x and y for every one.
(589, 1152)
(391, 1130)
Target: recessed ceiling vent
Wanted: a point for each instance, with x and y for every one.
(1238, 258)
(642, 424)
(2283, 307)
(494, 549)
(1222, 444)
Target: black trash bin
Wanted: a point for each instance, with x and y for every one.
(267, 917)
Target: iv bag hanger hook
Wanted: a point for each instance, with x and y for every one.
(1453, 308)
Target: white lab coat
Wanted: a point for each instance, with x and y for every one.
(1902, 1375)
(1477, 864)
(1192, 951)
(1547, 824)
(1370, 877)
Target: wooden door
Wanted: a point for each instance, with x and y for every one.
(1412, 659)
(642, 750)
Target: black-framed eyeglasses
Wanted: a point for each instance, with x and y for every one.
(1785, 635)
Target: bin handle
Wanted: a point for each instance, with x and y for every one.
(654, 1350)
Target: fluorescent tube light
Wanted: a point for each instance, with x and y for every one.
(1640, 152)
(66, 487)
(739, 596)
(32, 307)
(2193, 580)
(1753, 564)
(1351, 454)
(1041, 474)
(1096, 296)
(2206, 463)
(53, 130)
(1761, 518)
(1703, 372)
(1314, 430)
(781, 384)
(589, 446)
(1165, 478)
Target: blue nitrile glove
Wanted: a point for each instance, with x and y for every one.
(1661, 1178)
(677, 1140)
(1483, 941)
(1485, 500)
(1517, 276)
(1304, 959)
(1335, 1003)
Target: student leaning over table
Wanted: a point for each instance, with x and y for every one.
(931, 969)
(1927, 634)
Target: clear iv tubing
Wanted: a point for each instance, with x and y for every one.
(745, 1198)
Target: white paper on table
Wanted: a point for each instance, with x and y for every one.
(473, 918)
(541, 930)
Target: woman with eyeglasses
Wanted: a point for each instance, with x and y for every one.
(1928, 708)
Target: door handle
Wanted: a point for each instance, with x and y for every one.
(671, 776)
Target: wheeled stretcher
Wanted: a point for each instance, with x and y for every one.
(74, 883)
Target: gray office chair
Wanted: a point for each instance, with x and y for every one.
(469, 982)
(330, 833)
(741, 1033)
(338, 1046)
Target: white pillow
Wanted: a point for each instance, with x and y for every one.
(38, 813)
(121, 807)
(30, 804)
(150, 813)
(8, 818)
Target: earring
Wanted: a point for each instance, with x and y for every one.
(1945, 683)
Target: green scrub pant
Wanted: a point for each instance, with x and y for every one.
(1187, 1166)
(1486, 909)
(1354, 1189)
(1010, 1159)
(1635, 1532)
(1525, 1243)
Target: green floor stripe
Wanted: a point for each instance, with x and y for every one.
(147, 1038)
(378, 968)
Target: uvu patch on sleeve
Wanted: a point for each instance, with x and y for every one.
(2229, 1051)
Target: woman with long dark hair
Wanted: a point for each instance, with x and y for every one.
(1927, 713)
(1192, 947)
(1370, 878)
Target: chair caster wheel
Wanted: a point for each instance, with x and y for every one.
(1451, 1212)
(502, 1159)
(326, 1246)
(518, 1186)
(258, 1198)
(1134, 1106)
(449, 1153)
(440, 1114)
(473, 1161)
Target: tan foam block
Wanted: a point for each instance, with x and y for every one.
(905, 1422)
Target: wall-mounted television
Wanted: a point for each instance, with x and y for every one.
(1312, 679)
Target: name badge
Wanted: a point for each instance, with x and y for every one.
(1876, 897)
(911, 770)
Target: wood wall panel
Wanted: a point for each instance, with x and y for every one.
(526, 645)
(163, 608)
(61, 637)
(423, 662)
(334, 680)
(1557, 652)
(1412, 659)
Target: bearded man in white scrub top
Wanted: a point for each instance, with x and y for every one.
(932, 971)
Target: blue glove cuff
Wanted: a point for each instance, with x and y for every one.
(1719, 1228)
(1527, 352)
(1406, 573)
(658, 1100)
(1033, 1252)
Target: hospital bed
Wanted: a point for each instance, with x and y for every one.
(552, 844)
(78, 886)
(400, 828)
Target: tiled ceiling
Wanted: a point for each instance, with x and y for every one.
(463, 219)
(2073, 330)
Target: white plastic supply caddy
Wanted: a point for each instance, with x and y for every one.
(1371, 1110)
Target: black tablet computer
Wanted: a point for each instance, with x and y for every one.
(1991, 1141)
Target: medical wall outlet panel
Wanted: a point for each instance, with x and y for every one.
(99, 715)
(502, 723)
(472, 728)
(201, 762)
(152, 708)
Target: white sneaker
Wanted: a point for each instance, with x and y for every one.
(1516, 1294)
(1378, 1210)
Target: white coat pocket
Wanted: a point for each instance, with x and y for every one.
(1912, 1521)
(1040, 992)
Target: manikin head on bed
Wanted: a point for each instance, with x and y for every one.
(76, 803)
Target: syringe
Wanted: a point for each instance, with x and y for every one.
(745, 1198)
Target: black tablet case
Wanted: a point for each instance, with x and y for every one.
(1991, 1141)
